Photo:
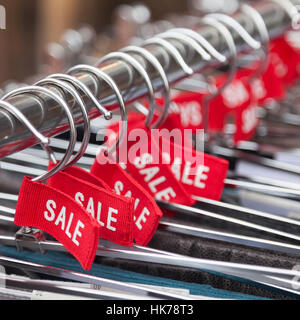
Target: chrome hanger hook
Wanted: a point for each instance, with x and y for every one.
(264, 37)
(73, 136)
(87, 131)
(231, 22)
(203, 42)
(187, 40)
(156, 64)
(139, 69)
(77, 83)
(172, 50)
(225, 33)
(99, 74)
(45, 141)
(223, 30)
(293, 11)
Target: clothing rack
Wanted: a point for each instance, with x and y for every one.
(45, 114)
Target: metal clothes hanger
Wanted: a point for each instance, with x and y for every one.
(187, 39)
(79, 85)
(103, 76)
(43, 140)
(130, 61)
(70, 290)
(281, 279)
(284, 117)
(191, 84)
(263, 34)
(29, 232)
(86, 137)
(214, 92)
(202, 232)
(158, 67)
(232, 23)
(265, 41)
(203, 42)
(86, 278)
(291, 10)
(173, 52)
(250, 41)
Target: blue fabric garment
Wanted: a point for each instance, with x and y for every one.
(60, 260)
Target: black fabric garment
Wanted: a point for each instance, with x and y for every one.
(199, 220)
(209, 249)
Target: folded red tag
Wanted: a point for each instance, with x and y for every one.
(237, 105)
(267, 86)
(185, 111)
(201, 174)
(146, 212)
(286, 60)
(145, 163)
(114, 213)
(51, 210)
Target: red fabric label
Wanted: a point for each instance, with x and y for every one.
(113, 212)
(185, 111)
(198, 173)
(51, 210)
(146, 212)
(268, 86)
(146, 165)
(286, 60)
(236, 102)
(201, 174)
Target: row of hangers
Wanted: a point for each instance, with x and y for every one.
(269, 231)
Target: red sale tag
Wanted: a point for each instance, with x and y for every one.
(201, 174)
(286, 60)
(146, 212)
(145, 163)
(185, 111)
(53, 211)
(237, 104)
(197, 173)
(113, 212)
(267, 86)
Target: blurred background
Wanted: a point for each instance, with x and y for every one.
(46, 36)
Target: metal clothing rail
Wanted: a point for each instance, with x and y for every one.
(46, 114)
